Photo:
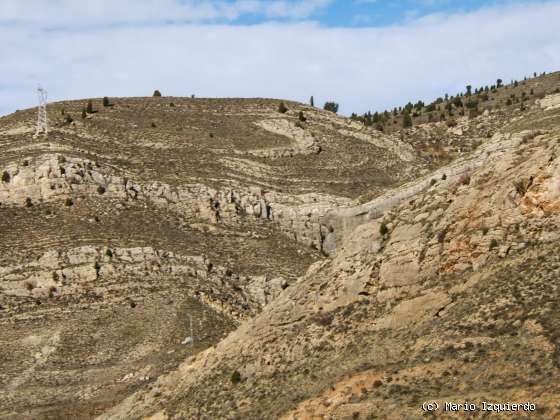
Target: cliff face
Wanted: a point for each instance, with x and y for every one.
(154, 248)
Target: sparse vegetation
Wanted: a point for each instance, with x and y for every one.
(101, 189)
(465, 179)
(67, 120)
(383, 229)
(106, 101)
(493, 243)
(6, 177)
(235, 377)
(68, 202)
(282, 108)
(331, 106)
(407, 120)
(156, 93)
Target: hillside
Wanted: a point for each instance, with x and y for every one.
(331, 270)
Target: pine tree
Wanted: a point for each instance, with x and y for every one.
(311, 101)
(407, 120)
(331, 106)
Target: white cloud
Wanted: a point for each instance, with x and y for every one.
(361, 68)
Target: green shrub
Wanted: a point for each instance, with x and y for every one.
(28, 202)
(106, 101)
(89, 107)
(383, 229)
(493, 244)
(157, 93)
(101, 189)
(301, 117)
(331, 106)
(6, 177)
(282, 108)
(109, 253)
(443, 177)
(235, 377)
(432, 182)
(407, 120)
(68, 202)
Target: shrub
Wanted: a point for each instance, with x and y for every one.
(235, 377)
(465, 179)
(493, 243)
(383, 229)
(6, 177)
(106, 101)
(312, 101)
(432, 182)
(28, 202)
(84, 114)
(451, 122)
(109, 253)
(472, 104)
(331, 106)
(443, 177)
(89, 108)
(407, 120)
(68, 202)
(282, 108)
(301, 117)
(101, 189)
(484, 231)
(157, 93)
(154, 125)
(67, 119)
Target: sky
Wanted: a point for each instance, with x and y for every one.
(363, 54)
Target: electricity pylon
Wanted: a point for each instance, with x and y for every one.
(42, 120)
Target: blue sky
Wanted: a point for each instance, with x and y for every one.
(364, 54)
(367, 13)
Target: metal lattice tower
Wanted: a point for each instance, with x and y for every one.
(42, 121)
